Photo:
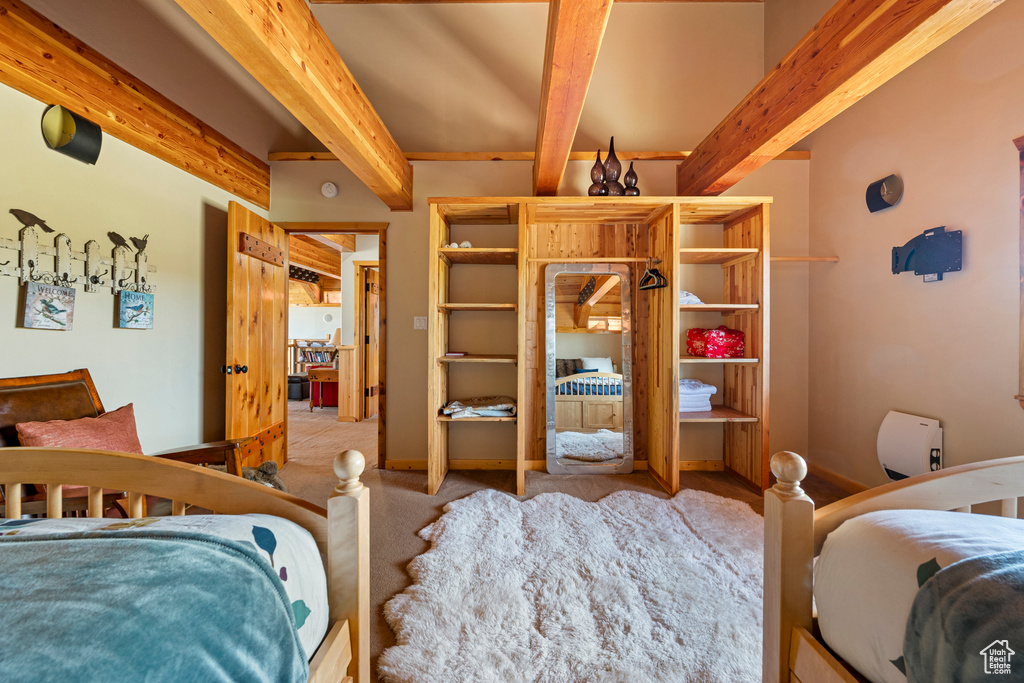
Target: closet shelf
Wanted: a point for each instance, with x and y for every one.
(447, 308)
(494, 257)
(448, 418)
(479, 358)
(718, 413)
(698, 359)
(716, 256)
(718, 308)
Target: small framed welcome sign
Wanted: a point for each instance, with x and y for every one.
(135, 310)
(48, 307)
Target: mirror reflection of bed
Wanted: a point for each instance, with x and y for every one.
(585, 311)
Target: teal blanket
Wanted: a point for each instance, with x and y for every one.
(143, 606)
(967, 623)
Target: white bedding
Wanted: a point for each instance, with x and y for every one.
(296, 558)
(866, 577)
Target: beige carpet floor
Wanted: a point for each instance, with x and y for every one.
(314, 438)
(400, 506)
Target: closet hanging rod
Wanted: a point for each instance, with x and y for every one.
(807, 259)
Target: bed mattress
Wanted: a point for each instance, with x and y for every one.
(287, 548)
(870, 570)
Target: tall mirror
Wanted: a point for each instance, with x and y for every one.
(589, 368)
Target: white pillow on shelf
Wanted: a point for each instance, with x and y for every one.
(599, 364)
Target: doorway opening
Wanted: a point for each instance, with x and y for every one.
(351, 259)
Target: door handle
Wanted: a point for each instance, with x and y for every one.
(241, 369)
(226, 369)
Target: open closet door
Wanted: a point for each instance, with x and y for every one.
(658, 351)
(257, 318)
(371, 355)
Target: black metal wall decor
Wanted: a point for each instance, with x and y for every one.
(69, 133)
(930, 254)
(62, 266)
(297, 273)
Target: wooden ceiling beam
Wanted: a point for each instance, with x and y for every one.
(788, 155)
(856, 47)
(342, 243)
(429, 2)
(308, 254)
(47, 63)
(332, 227)
(303, 293)
(575, 31)
(284, 47)
(604, 285)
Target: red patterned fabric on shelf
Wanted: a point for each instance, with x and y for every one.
(696, 340)
(724, 343)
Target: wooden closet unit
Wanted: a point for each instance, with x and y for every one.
(442, 260)
(627, 230)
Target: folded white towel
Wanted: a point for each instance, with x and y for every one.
(702, 407)
(694, 387)
(688, 298)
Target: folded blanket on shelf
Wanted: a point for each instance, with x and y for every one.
(694, 387)
(688, 298)
(485, 406)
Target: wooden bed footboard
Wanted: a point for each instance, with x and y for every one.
(341, 532)
(794, 534)
(588, 411)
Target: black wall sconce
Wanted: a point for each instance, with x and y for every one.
(69, 133)
(884, 193)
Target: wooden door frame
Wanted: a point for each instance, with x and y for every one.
(360, 268)
(380, 230)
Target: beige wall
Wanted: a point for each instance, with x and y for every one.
(169, 372)
(879, 342)
(296, 197)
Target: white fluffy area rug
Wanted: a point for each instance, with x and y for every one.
(633, 588)
(598, 446)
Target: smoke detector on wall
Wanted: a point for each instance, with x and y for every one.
(329, 190)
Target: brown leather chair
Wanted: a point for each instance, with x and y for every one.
(70, 396)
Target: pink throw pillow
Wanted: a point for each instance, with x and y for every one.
(113, 431)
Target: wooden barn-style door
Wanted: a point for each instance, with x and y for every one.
(257, 322)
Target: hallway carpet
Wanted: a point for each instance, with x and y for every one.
(314, 438)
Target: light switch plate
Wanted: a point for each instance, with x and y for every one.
(419, 322)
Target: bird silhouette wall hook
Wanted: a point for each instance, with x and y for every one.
(29, 219)
(118, 240)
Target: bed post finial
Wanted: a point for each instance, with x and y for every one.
(790, 469)
(788, 559)
(348, 558)
(348, 465)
